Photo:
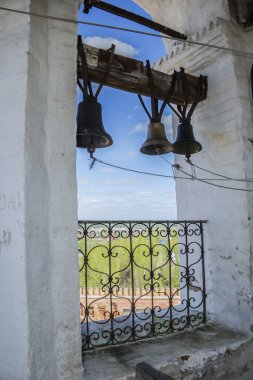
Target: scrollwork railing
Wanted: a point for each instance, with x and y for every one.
(140, 279)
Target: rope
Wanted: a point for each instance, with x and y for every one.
(76, 22)
(189, 176)
(192, 177)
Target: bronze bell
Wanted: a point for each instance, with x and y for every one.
(156, 142)
(90, 130)
(185, 142)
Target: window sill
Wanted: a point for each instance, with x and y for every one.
(186, 355)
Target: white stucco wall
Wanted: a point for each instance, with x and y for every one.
(185, 16)
(13, 308)
(223, 124)
(39, 313)
(40, 326)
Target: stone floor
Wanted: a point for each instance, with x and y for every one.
(192, 354)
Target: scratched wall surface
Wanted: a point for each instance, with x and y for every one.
(13, 330)
(40, 332)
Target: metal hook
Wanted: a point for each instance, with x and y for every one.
(108, 69)
(197, 98)
(86, 82)
(154, 102)
(144, 106)
(170, 92)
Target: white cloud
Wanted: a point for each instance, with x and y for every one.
(166, 120)
(145, 194)
(122, 48)
(140, 127)
(133, 153)
(121, 181)
(127, 205)
(83, 181)
(134, 109)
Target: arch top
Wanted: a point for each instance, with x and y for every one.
(186, 16)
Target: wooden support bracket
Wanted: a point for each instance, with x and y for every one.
(130, 75)
(121, 12)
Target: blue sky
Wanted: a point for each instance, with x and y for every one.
(107, 193)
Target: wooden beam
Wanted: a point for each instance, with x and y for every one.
(130, 75)
(135, 18)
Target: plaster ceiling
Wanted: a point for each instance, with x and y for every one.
(242, 11)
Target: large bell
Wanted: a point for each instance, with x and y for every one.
(90, 130)
(185, 142)
(156, 142)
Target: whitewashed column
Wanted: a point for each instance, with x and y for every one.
(39, 314)
(13, 78)
(223, 125)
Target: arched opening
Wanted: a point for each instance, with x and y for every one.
(132, 263)
(38, 203)
(105, 192)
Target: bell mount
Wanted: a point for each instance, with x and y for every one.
(90, 130)
(156, 142)
(185, 143)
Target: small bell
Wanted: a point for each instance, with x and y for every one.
(185, 142)
(90, 130)
(156, 142)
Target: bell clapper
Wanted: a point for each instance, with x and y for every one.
(92, 163)
(188, 156)
(91, 149)
(189, 161)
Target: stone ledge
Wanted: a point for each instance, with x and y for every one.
(195, 58)
(191, 354)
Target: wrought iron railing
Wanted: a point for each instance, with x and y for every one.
(140, 279)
